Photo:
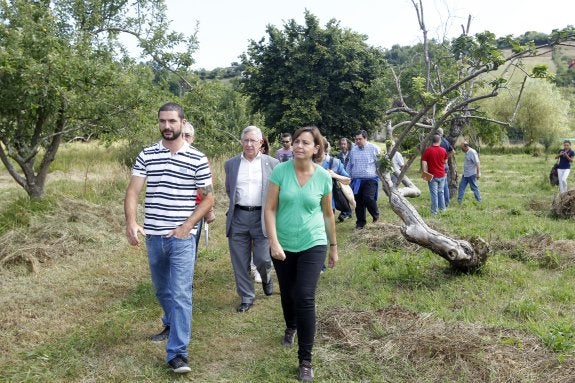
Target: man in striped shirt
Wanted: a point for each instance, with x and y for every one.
(173, 173)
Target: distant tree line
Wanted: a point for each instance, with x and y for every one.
(65, 75)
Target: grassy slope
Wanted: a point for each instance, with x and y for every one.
(543, 58)
(87, 317)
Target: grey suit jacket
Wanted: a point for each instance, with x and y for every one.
(232, 166)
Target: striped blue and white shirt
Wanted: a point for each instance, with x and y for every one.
(172, 183)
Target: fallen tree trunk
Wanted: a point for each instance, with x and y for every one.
(461, 255)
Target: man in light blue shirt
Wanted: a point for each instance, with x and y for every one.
(362, 167)
(471, 173)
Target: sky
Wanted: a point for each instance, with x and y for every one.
(226, 26)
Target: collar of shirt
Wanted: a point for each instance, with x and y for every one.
(258, 156)
(182, 148)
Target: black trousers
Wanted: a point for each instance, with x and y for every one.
(366, 199)
(298, 275)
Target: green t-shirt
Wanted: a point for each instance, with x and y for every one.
(299, 218)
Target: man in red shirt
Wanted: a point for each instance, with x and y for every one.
(433, 161)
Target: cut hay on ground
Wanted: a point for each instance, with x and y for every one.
(74, 228)
(539, 206)
(418, 345)
(564, 205)
(540, 248)
(381, 236)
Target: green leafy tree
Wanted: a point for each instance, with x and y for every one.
(306, 74)
(61, 76)
(218, 113)
(542, 114)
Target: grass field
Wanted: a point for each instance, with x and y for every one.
(389, 312)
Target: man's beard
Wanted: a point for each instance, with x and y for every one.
(175, 135)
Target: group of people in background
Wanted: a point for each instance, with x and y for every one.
(434, 164)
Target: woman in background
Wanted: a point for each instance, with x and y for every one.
(265, 149)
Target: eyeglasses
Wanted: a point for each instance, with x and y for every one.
(250, 141)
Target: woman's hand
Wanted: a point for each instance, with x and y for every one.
(277, 251)
(333, 257)
(345, 180)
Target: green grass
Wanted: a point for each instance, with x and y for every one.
(386, 313)
(19, 212)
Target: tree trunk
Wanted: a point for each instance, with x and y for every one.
(461, 254)
(32, 182)
(457, 125)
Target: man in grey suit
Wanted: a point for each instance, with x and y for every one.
(246, 186)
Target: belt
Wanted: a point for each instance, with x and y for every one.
(249, 208)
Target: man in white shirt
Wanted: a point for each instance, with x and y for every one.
(246, 186)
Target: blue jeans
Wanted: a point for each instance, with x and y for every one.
(171, 263)
(472, 184)
(436, 190)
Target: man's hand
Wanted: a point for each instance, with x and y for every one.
(132, 232)
(210, 216)
(179, 232)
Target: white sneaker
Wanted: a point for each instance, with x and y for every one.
(257, 277)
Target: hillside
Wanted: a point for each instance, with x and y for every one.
(543, 58)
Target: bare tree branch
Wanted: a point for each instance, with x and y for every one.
(516, 109)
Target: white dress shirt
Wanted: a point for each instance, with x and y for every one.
(249, 182)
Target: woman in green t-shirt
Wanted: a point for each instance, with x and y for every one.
(299, 222)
